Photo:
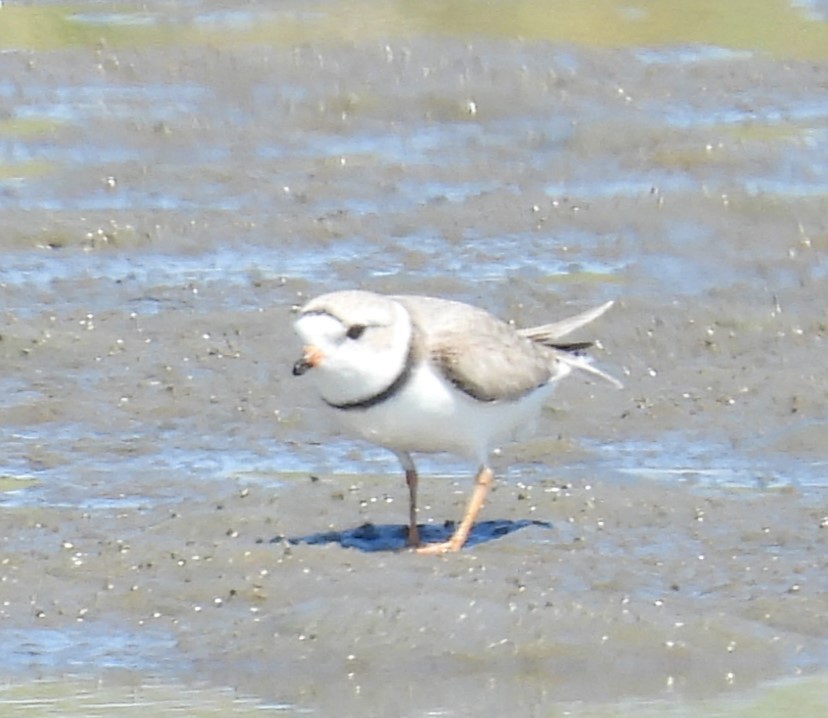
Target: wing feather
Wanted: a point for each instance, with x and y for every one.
(489, 359)
(478, 353)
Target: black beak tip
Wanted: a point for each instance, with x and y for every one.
(300, 367)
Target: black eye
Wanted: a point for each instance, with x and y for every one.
(355, 331)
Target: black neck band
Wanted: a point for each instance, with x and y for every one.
(387, 393)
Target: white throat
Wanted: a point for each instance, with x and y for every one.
(351, 371)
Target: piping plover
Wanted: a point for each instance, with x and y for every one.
(419, 374)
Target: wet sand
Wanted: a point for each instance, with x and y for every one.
(177, 508)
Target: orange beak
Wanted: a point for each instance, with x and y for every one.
(310, 358)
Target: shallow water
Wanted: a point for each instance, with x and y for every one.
(174, 180)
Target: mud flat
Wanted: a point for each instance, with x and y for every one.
(179, 526)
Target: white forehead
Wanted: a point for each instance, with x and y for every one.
(313, 327)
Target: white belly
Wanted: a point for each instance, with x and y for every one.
(429, 415)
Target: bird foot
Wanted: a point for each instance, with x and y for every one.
(437, 549)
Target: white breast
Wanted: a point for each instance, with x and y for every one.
(430, 415)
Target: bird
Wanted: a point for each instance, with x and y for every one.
(420, 374)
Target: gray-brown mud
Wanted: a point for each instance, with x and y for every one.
(174, 503)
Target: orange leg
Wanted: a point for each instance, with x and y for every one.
(482, 483)
(413, 531)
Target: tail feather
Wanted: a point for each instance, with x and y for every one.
(548, 333)
(584, 364)
(577, 348)
(572, 353)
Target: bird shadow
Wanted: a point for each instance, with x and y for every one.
(392, 537)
